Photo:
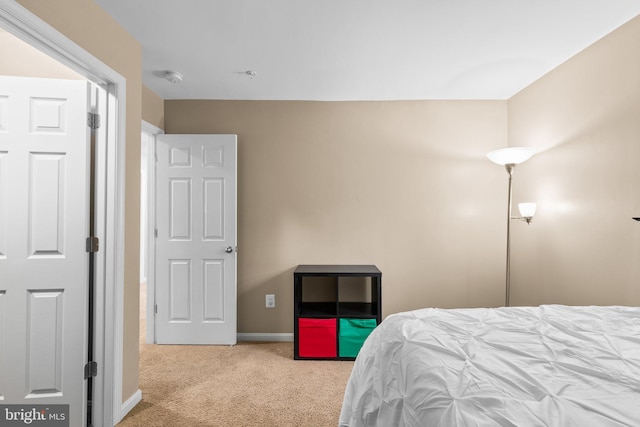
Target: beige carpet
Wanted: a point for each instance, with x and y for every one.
(250, 384)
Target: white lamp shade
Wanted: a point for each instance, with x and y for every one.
(527, 210)
(511, 155)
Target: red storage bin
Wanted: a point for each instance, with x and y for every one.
(317, 337)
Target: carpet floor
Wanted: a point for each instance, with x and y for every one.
(249, 384)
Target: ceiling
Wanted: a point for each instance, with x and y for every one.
(359, 49)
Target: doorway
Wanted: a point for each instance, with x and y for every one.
(109, 206)
(45, 153)
(195, 302)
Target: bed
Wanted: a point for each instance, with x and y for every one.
(546, 366)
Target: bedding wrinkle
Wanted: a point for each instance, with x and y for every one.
(547, 366)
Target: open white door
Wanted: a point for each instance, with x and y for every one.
(44, 221)
(195, 268)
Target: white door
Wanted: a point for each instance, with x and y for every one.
(195, 269)
(44, 199)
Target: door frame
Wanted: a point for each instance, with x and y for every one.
(108, 408)
(150, 160)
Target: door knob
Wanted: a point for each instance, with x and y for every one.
(228, 249)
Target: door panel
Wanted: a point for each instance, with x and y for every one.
(213, 290)
(43, 225)
(180, 290)
(214, 206)
(180, 203)
(196, 223)
(44, 345)
(46, 204)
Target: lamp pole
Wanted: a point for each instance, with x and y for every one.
(509, 167)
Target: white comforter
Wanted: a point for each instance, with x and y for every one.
(521, 366)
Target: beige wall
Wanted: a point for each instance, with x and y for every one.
(584, 117)
(90, 27)
(403, 185)
(152, 108)
(26, 61)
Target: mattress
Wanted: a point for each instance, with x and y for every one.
(520, 366)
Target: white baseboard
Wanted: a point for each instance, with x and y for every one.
(265, 337)
(130, 404)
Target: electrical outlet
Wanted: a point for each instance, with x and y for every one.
(270, 300)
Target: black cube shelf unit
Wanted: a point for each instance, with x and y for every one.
(334, 328)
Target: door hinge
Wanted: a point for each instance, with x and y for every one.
(90, 370)
(93, 244)
(156, 233)
(93, 120)
(156, 308)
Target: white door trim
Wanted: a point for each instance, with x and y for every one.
(150, 129)
(108, 406)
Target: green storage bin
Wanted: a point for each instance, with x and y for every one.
(352, 334)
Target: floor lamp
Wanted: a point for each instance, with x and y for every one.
(509, 158)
